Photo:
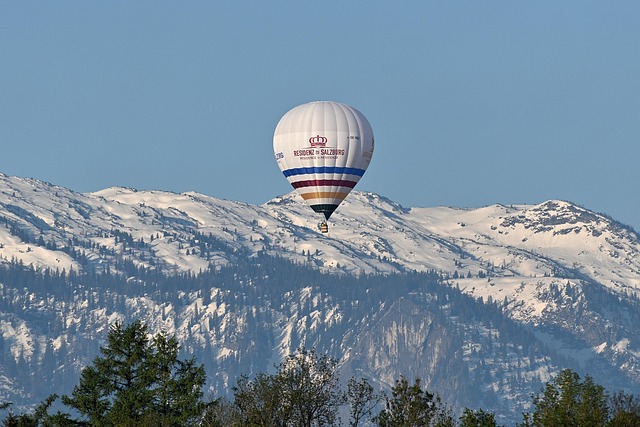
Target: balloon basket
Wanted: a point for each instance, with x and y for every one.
(323, 227)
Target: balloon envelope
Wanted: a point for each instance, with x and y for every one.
(323, 148)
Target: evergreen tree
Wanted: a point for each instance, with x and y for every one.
(177, 394)
(138, 381)
(90, 397)
(40, 417)
(127, 372)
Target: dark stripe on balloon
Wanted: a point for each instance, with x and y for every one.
(324, 183)
(323, 169)
(327, 210)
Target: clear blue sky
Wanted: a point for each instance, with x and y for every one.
(472, 103)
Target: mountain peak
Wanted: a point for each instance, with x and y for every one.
(114, 191)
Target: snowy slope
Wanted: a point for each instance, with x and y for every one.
(555, 266)
(519, 247)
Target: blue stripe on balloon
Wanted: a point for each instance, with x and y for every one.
(323, 169)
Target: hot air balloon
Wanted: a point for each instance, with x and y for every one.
(323, 148)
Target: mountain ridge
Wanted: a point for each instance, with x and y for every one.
(568, 275)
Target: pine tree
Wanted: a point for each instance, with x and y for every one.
(178, 385)
(138, 381)
(127, 372)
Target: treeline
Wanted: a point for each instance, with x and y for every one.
(139, 380)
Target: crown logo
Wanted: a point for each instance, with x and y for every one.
(318, 141)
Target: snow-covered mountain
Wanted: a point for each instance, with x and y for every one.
(567, 275)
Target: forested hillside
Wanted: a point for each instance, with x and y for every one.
(245, 317)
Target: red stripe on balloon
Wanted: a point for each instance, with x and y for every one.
(324, 183)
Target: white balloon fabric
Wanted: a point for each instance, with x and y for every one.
(323, 148)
